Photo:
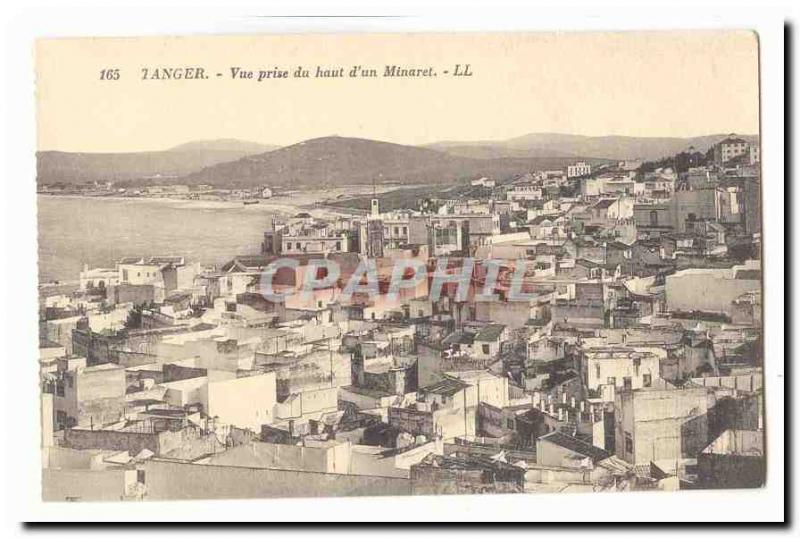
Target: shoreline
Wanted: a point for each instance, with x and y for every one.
(311, 201)
(60, 274)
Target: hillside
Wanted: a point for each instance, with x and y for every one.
(347, 161)
(350, 161)
(225, 144)
(555, 144)
(65, 167)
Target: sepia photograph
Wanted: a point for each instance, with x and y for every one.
(382, 264)
(260, 278)
(449, 265)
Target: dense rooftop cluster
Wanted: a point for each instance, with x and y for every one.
(632, 362)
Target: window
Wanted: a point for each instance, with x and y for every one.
(653, 218)
(637, 362)
(628, 443)
(597, 371)
(510, 424)
(485, 349)
(647, 380)
(288, 246)
(297, 246)
(626, 383)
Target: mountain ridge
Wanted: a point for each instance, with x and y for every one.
(338, 160)
(225, 144)
(616, 147)
(54, 166)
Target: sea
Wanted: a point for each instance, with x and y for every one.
(74, 231)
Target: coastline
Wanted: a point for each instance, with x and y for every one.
(63, 219)
(286, 204)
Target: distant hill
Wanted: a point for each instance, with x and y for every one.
(225, 144)
(480, 150)
(607, 147)
(348, 161)
(340, 161)
(66, 167)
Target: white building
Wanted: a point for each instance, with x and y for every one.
(483, 182)
(609, 369)
(578, 169)
(711, 290)
(99, 277)
(524, 191)
(730, 148)
(311, 244)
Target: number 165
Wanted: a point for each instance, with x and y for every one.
(109, 74)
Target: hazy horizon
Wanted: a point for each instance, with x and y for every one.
(467, 142)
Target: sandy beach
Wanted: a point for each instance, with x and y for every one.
(285, 204)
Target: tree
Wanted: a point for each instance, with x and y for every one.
(134, 320)
(680, 162)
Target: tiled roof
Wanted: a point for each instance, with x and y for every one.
(605, 203)
(447, 386)
(587, 263)
(576, 445)
(490, 333)
(459, 337)
(159, 260)
(733, 140)
(129, 260)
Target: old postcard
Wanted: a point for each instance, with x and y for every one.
(324, 265)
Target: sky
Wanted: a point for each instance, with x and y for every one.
(624, 83)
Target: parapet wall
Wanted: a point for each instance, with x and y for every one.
(171, 480)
